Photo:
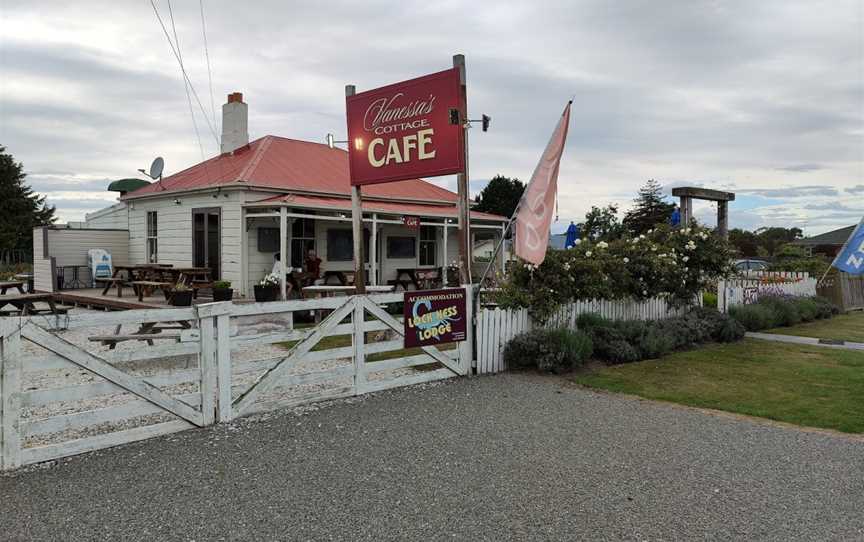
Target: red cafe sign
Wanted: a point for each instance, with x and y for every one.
(411, 221)
(403, 131)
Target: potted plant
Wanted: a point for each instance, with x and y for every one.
(222, 290)
(267, 289)
(181, 295)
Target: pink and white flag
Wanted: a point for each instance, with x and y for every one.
(534, 217)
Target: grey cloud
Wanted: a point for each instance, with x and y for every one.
(792, 191)
(44, 184)
(801, 168)
(698, 90)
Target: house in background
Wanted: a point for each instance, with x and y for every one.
(231, 213)
(827, 244)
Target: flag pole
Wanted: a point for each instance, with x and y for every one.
(842, 249)
(504, 236)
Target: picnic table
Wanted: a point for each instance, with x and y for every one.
(420, 278)
(6, 284)
(136, 272)
(148, 331)
(345, 278)
(25, 304)
(324, 290)
(28, 278)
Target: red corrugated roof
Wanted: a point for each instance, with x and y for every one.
(288, 164)
(370, 206)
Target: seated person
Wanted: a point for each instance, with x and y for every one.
(277, 270)
(312, 266)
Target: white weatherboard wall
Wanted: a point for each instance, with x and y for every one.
(69, 247)
(54, 248)
(174, 229)
(113, 217)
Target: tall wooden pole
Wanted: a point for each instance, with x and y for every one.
(357, 223)
(463, 204)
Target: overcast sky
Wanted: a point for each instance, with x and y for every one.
(764, 98)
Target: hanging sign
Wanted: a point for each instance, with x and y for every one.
(405, 130)
(434, 317)
(412, 222)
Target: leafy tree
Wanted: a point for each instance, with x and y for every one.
(771, 240)
(650, 209)
(746, 243)
(20, 209)
(500, 196)
(601, 224)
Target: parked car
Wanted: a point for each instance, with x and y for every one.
(751, 265)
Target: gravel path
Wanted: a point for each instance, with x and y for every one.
(490, 458)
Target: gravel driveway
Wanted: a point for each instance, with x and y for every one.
(492, 458)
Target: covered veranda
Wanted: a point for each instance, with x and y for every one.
(398, 237)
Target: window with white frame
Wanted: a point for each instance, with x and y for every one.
(152, 237)
(428, 245)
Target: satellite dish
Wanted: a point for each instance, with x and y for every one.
(156, 167)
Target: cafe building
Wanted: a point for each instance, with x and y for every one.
(234, 212)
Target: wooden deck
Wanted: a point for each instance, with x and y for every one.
(92, 298)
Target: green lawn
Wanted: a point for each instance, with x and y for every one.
(804, 385)
(846, 327)
(339, 341)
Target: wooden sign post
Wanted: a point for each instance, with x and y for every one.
(357, 225)
(463, 203)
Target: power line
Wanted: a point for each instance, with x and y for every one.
(183, 71)
(207, 56)
(185, 84)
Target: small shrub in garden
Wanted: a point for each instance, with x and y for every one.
(729, 331)
(825, 308)
(620, 351)
(552, 350)
(709, 299)
(807, 308)
(656, 342)
(754, 317)
(784, 308)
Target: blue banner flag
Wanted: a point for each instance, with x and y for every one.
(851, 257)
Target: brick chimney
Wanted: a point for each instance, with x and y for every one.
(235, 123)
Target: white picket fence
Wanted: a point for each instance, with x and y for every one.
(496, 327)
(746, 289)
(76, 383)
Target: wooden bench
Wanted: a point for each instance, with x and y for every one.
(147, 286)
(24, 304)
(6, 284)
(112, 281)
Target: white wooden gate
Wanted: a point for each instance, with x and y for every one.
(85, 398)
(372, 360)
(64, 389)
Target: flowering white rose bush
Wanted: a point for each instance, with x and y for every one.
(625, 268)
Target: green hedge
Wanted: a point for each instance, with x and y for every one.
(550, 350)
(624, 341)
(781, 311)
